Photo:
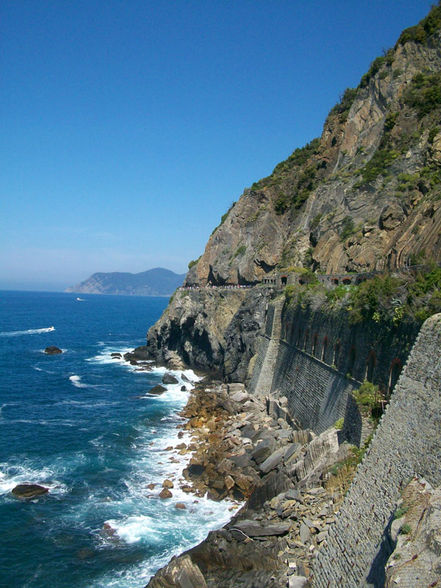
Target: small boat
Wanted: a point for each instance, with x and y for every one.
(51, 328)
(80, 299)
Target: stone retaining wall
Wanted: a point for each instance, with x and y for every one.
(407, 443)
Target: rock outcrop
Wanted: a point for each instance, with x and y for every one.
(210, 329)
(29, 491)
(365, 196)
(53, 350)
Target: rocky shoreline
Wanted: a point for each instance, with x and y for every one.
(246, 449)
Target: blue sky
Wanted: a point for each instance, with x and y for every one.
(130, 126)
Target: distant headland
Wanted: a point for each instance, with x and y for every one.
(154, 282)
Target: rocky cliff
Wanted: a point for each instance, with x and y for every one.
(363, 196)
(211, 329)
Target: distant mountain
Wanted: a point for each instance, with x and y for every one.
(154, 282)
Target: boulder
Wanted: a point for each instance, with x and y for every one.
(167, 484)
(52, 350)
(257, 529)
(273, 460)
(180, 506)
(169, 379)
(263, 450)
(196, 469)
(297, 582)
(180, 572)
(28, 491)
(157, 390)
(239, 396)
(165, 493)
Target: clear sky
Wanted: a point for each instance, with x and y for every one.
(130, 126)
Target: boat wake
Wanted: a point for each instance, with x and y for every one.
(27, 332)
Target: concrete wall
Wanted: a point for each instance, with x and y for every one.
(407, 443)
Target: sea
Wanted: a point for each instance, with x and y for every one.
(84, 425)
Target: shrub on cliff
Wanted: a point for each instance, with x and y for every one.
(372, 300)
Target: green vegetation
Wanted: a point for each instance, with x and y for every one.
(375, 67)
(341, 474)
(400, 512)
(432, 134)
(289, 292)
(282, 203)
(372, 299)
(240, 250)
(315, 222)
(390, 120)
(425, 293)
(377, 165)
(299, 156)
(193, 262)
(369, 399)
(338, 293)
(347, 228)
(424, 93)
(394, 300)
(420, 32)
(346, 101)
(406, 529)
(339, 424)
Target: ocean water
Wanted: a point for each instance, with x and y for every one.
(83, 425)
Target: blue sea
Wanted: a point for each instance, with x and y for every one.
(83, 425)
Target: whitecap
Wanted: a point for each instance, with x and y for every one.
(76, 381)
(27, 332)
(136, 528)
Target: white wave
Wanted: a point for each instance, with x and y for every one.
(39, 369)
(135, 528)
(11, 475)
(76, 381)
(27, 332)
(105, 356)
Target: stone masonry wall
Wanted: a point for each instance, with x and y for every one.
(316, 359)
(407, 443)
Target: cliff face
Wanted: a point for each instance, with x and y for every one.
(364, 196)
(210, 329)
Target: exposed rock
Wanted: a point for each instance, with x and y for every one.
(157, 390)
(180, 506)
(53, 350)
(273, 460)
(29, 491)
(165, 493)
(167, 484)
(391, 216)
(180, 573)
(169, 379)
(256, 529)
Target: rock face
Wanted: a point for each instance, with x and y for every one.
(210, 329)
(364, 196)
(154, 282)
